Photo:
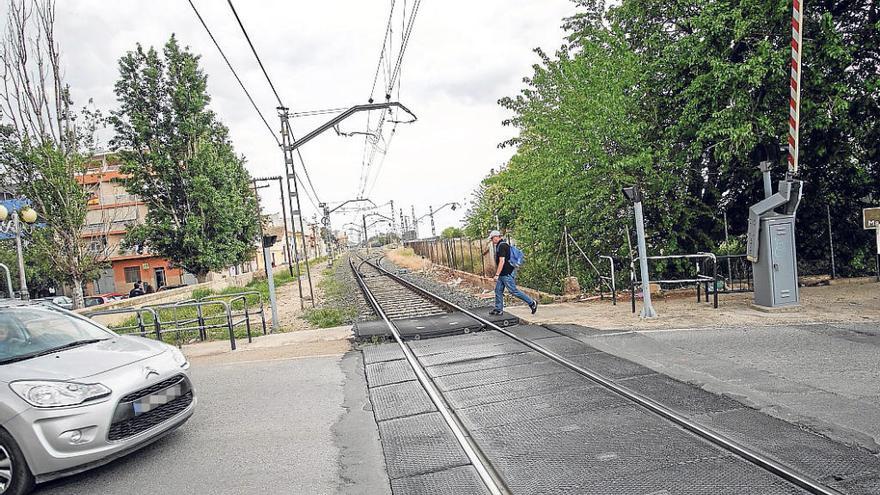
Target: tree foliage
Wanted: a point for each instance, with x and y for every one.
(451, 233)
(43, 145)
(178, 158)
(685, 98)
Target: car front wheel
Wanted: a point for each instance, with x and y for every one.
(15, 476)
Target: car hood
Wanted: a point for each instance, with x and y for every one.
(84, 361)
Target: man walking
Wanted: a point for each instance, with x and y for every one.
(505, 276)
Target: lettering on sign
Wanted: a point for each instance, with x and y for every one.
(871, 217)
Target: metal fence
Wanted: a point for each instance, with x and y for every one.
(467, 255)
(202, 319)
(704, 276)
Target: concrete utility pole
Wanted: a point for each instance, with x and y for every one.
(287, 253)
(260, 220)
(635, 197)
(403, 225)
(433, 227)
(366, 238)
(393, 221)
(415, 222)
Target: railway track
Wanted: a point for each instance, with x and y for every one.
(398, 301)
(384, 289)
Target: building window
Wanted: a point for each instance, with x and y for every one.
(132, 274)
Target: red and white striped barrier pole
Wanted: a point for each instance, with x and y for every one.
(795, 98)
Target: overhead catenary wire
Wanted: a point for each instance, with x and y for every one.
(234, 73)
(277, 96)
(254, 50)
(406, 37)
(382, 52)
(392, 78)
(248, 94)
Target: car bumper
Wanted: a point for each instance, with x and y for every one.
(61, 442)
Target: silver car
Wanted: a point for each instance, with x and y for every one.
(75, 395)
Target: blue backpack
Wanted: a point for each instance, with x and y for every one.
(517, 258)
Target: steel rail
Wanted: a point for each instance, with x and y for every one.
(432, 391)
(760, 460)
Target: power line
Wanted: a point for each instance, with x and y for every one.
(409, 28)
(382, 53)
(277, 97)
(232, 69)
(254, 50)
(392, 79)
(246, 92)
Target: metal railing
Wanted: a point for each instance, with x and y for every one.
(735, 271)
(139, 327)
(609, 280)
(699, 279)
(8, 281)
(203, 322)
(247, 312)
(217, 312)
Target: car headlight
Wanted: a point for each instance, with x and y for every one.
(58, 394)
(179, 358)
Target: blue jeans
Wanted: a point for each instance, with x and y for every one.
(509, 282)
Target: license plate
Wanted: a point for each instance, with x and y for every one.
(153, 401)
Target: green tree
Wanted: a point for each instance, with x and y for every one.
(685, 98)
(452, 233)
(577, 144)
(43, 145)
(39, 270)
(178, 158)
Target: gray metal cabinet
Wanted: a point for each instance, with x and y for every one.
(776, 265)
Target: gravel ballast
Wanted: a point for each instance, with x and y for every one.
(451, 294)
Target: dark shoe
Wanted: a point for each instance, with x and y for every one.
(534, 306)
(495, 312)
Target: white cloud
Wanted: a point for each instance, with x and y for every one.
(462, 57)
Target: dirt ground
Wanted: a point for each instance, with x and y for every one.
(405, 258)
(290, 316)
(852, 302)
(305, 343)
(842, 301)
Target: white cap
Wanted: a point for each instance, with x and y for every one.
(494, 233)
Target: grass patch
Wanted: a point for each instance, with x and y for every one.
(335, 311)
(328, 317)
(214, 314)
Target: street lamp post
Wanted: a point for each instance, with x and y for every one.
(432, 211)
(27, 216)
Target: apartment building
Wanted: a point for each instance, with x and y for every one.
(111, 211)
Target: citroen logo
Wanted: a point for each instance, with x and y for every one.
(149, 371)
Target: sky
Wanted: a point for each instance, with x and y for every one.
(461, 58)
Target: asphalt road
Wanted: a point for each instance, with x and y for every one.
(826, 376)
(280, 426)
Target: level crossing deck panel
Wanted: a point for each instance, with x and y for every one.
(547, 429)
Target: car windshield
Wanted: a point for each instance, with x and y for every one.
(31, 331)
